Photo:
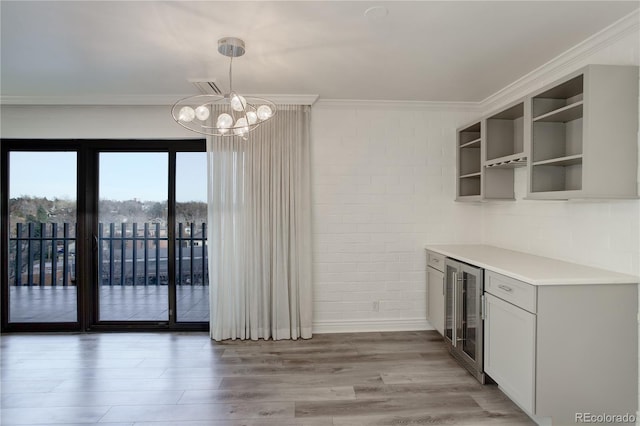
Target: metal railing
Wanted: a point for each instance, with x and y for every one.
(43, 254)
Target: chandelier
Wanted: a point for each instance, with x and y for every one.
(236, 115)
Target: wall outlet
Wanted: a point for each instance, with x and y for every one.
(376, 306)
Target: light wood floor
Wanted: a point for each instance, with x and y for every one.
(400, 378)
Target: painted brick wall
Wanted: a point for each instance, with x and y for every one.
(382, 187)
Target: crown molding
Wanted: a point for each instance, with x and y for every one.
(410, 105)
(282, 99)
(137, 100)
(565, 62)
(98, 100)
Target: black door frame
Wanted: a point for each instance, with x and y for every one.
(87, 230)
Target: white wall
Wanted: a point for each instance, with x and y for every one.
(383, 186)
(604, 234)
(90, 122)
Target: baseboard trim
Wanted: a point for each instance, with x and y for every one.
(363, 326)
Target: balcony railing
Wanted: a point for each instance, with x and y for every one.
(43, 254)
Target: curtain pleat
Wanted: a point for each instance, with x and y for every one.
(260, 230)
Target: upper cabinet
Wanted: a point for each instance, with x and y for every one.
(469, 170)
(577, 138)
(488, 151)
(584, 135)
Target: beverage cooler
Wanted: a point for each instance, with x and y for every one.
(463, 328)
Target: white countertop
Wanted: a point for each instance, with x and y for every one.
(536, 270)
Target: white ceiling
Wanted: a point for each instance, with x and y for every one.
(422, 50)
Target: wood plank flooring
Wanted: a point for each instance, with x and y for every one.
(185, 379)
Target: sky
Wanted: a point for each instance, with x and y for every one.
(123, 176)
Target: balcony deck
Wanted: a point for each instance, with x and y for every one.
(117, 303)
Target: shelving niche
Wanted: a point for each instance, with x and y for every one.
(504, 151)
(557, 130)
(469, 170)
(583, 132)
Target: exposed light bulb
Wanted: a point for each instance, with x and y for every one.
(242, 127)
(252, 117)
(202, 113)
(187, 114)
(238, 103)
(264, 112)
(225, 121)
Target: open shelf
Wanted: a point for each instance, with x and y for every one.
(473, 144)
(556, 177)
(469, 161)
(505, 133)
(470, 134)
(562, 115)
(470, 175)
(469, 185)
(570, 160)
(504, 151)
(469, 170)
(584, 135)
(563, 95)
(556, 139)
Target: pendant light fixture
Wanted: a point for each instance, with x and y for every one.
(224, 115)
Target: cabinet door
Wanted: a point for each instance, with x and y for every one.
(469, 335)
(509, 350)
(435, 289)
(451, 270)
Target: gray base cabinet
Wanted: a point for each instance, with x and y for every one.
(558, 350)
(510, 344)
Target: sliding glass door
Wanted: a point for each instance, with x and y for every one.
(132, 236)
(104, 235)
(42, 285)
(192, 280)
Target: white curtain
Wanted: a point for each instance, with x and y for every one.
(259, 238)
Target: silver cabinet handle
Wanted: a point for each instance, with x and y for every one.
(505, 288)
(454, 316)
(483, 307)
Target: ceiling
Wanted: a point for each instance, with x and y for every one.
(421, 50)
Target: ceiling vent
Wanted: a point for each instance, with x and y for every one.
(206, 87)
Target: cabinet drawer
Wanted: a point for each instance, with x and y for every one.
(511, 290)
(435, 260)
